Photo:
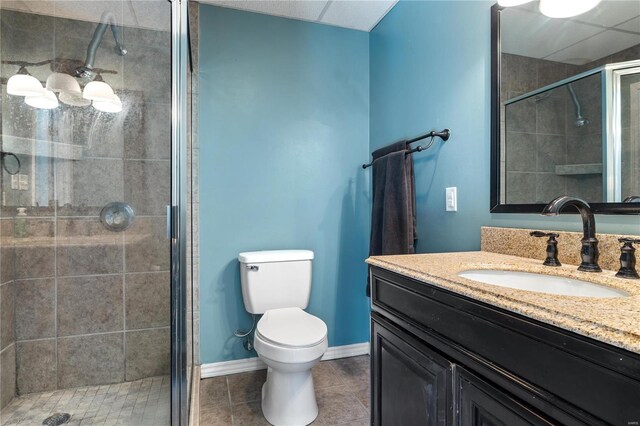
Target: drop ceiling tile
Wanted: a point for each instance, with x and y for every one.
(610, 13)
(360, 15)
(596, 47)
(631, 25)
(537, 36)
(307, 10)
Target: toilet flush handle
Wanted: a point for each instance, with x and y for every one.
(252, 267)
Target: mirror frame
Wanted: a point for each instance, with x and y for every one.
(495, 206)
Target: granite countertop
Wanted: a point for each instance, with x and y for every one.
(611, 320)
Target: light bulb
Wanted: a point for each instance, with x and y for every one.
(47, 100)
(566, 8)
(98, 91)
(509, 3)
(114, 105)
(24, 85)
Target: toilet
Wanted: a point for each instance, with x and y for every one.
(290, 341)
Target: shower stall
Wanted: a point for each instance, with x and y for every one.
(576, 136)
(94, 289)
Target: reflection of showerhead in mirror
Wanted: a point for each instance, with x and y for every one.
(580, 120)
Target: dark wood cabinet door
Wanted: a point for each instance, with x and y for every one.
(411, 385)
(482, 404)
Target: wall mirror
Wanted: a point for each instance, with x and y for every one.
(566, 108)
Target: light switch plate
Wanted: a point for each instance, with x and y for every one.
(23, 182)
(451, 199)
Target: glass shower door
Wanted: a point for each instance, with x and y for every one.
(86, 152)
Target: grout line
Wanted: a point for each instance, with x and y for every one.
(96, 334)
(226, 378)
(8, 346)
(114, 274)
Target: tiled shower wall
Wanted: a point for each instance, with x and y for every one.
(541, 133)
(81, 305)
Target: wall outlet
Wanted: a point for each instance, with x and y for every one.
(451, 199)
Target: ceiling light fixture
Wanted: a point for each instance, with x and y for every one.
(566, 8)
(24, 84)
(114, 105)
(98, 91)
(58, 82)
(73, 99)
(46, 100)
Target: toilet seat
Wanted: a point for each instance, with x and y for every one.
(291, 328)
(290, 335)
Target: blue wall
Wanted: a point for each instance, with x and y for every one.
(430, 69)
(284, 125)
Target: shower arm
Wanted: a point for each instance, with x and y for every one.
(576, 103)
(108, 19)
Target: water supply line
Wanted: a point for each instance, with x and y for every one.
(580, 120)
(107, 19)
(248, 344)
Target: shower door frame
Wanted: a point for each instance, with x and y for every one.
(613, 149)
(611, 142)
(177, 213)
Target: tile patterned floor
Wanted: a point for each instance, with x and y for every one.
(342, 391)
(143, 402)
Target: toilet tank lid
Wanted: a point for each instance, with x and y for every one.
(274, 256)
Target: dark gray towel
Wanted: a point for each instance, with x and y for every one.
(393, 217)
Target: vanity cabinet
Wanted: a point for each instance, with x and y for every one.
(441, 358)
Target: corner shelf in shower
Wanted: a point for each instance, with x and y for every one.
(41, 148)
(579, 169)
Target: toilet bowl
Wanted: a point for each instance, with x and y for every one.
(291, 342)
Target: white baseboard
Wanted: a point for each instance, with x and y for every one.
(251, 364)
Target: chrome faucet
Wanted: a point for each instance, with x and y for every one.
(589, 251)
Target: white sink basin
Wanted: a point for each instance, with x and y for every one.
(541, 283)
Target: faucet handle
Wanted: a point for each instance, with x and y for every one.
(544, 234)
(628, 258)
(552, 247)
(627, 240)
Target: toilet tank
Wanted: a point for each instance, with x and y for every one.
(275, 279)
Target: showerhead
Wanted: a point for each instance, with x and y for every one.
(85, 72)
(581, 121)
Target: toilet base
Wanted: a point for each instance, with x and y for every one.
(288, 398)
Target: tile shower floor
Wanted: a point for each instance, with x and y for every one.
(342, 391)
(141, 402)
